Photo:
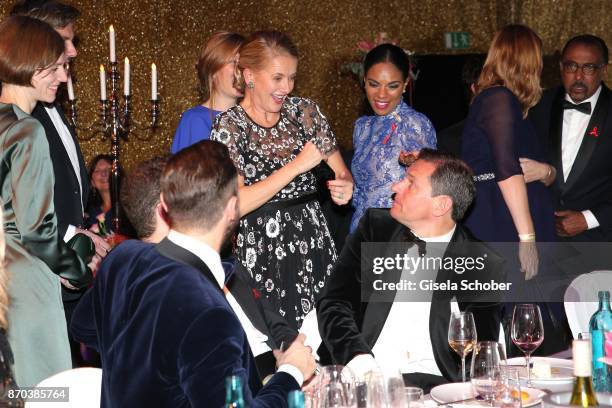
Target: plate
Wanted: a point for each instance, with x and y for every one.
(447, 393)
(562, 373)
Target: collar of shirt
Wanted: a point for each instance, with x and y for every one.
(593, 100)
(203, 251)
(441, 238)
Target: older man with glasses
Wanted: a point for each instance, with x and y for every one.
(575, 120)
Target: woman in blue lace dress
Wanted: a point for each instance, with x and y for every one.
(394, 127)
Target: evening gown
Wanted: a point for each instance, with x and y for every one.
(285, 246)
(494, 137)
(378, 142)
(35, 253)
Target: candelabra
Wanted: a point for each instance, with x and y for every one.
(115, 122)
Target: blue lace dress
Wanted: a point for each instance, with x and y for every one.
(378, 141)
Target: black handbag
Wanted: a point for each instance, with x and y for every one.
(85, 249)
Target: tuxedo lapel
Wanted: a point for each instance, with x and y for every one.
(376, 313)
(170, 250)
(82, 165)
(555, 134)
(591, 136)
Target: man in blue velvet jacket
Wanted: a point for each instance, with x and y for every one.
(157, 313)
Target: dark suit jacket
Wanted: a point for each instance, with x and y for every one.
(349, 327)
(67, 196)
(589, 185)
(166, 334)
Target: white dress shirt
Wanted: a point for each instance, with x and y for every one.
(404, 343)
(212, 259)
(574, 127)
(68, 142)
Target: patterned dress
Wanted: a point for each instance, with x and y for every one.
(285, 245)
(378, 141)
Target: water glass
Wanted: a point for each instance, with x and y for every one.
(414, 397)
(510, 396)
(488, 361)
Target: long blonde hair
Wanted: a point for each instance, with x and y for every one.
(514, 60)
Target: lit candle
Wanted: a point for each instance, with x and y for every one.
(102, 83)
(153, 82)
(111, 34)
(126, 76)
(70, 88)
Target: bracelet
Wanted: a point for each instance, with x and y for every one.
(527, 237)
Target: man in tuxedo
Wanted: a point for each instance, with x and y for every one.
(411, 336)
(165, 331)
(575, 121)
(265, 328)
(71, 180)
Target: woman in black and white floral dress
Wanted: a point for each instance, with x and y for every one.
(275, 140)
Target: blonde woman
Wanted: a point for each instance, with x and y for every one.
(496, 134)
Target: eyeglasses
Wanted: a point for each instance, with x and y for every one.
(569, 67)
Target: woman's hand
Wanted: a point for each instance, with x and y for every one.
(341, 189)
(537, 171)
(309, 157)
(528, 256)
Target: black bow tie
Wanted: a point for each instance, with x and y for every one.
(584, 107)
(410, 237)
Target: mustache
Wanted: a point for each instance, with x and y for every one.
(578, 84)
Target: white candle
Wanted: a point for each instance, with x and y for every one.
(153, 82)
(111, 35)
(126, 76)
(102, 83)
(70, 88)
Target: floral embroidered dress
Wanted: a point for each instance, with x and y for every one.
(377, 142)
(285, 245)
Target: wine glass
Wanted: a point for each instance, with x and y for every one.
(488, 362)
(527, 331)
(462, 336)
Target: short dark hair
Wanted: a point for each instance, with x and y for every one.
(140, 195)
(588, 40)
(452, 177)
(387, 53)
(52, 12)
(27, 45)
(197, 183)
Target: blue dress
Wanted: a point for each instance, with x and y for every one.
(195, 125)
(494, 137)
(378, 141)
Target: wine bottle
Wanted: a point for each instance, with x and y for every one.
(233, 392)
(600, 323)
(583, 394)
(296, 399)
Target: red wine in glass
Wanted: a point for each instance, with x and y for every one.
(527, 331)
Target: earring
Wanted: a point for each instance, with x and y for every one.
(251, 85)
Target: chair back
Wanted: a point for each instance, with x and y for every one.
(580, 299)
(84, 388)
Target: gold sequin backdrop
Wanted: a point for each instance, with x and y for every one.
(170, 32)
